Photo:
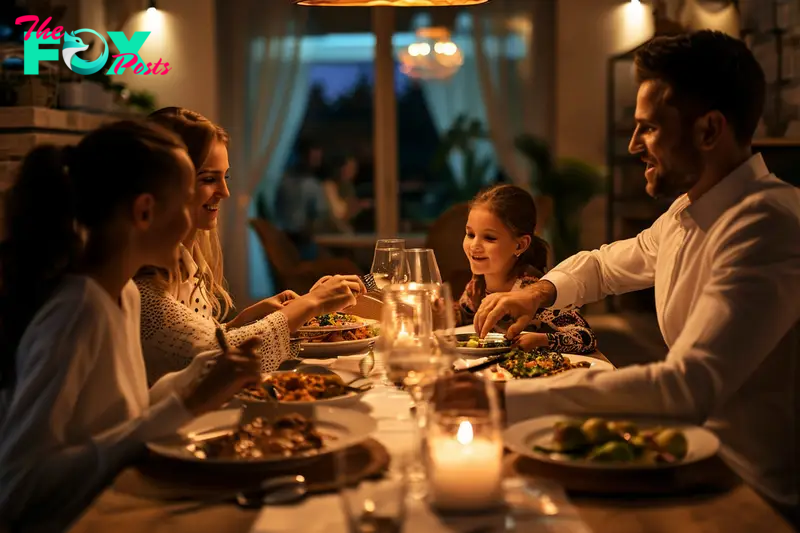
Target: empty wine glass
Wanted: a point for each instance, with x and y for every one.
(388, 262)
(420, 266)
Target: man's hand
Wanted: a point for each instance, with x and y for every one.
(522, 305)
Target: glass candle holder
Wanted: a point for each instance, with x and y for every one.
(464, 445)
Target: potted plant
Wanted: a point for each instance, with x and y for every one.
(568, 184)
(461, 138)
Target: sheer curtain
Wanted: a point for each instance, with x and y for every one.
(505, 75)
(263, 102)
(458, 95)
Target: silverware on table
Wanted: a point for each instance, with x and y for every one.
(275, 491)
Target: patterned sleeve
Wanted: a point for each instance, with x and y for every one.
(172, 336)
(464, 310)
(572, 332)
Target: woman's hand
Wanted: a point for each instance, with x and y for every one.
(335, 293)
(229, 373)
(263, 308)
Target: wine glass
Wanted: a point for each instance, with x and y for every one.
(420, 266)
(417, 339)
(388, 262)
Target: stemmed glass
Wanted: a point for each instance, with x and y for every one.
(416, 346)
(420, 266)
(388, 265)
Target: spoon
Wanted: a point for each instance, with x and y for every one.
(275, 491)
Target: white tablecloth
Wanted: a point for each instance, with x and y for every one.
(391, 408)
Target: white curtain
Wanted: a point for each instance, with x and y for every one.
(458, 95)
(505, 75)
(265, 40)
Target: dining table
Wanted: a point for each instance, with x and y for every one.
(707, 497)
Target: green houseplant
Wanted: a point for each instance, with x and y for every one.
(461, 138)
(569, 184)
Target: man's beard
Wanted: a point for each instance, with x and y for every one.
(681, 177)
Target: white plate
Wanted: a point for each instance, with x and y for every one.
(337, 401)
(348, 428)
(333, 349)
(481, 352)
(522, 437)
(595, 364)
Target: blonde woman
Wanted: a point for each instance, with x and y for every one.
(182, 307)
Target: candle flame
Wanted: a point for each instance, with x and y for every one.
(464, 435)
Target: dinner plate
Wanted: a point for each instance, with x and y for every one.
(329, 329)
(481, 352)
(344, 400)
(333, 349)
(343, 427)
(594, 364)
(522, 437)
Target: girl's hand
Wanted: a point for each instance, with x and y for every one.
(529, 341)
(233, 370)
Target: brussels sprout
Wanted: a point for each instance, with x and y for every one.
(623, 427)
(596, 430)
(568, 436)
(612, 452)
(672, 442)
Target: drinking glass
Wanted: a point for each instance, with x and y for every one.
(420, 266)
(417, 340)
(388, 262)
(374, 506)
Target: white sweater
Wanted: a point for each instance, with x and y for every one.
(80, 408)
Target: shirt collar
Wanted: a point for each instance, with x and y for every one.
(188, 262)
(710, 206)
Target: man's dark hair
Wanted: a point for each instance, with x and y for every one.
(707, 70)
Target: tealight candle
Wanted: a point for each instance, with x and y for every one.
(465, 471)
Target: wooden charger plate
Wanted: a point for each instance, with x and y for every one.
(164, 479)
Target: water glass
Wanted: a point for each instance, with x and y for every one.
(388, 263)
(376, 506)
(421, 267)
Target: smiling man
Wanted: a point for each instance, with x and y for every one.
(725, 263)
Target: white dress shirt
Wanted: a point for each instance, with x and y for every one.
(176, 328)
(726, 271)
(80, 407)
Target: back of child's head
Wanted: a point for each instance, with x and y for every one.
(515, 209)
(59, 190)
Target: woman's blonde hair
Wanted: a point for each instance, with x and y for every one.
(199, 134)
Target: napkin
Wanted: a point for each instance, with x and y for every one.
(345, 363)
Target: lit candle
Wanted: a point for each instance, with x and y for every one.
(465, 471)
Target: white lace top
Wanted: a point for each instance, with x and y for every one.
(176, 328)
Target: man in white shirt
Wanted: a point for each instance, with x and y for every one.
(725, 263)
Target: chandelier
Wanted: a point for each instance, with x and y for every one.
(388, 3)
(434, 56)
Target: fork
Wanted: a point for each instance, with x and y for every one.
(369, 283)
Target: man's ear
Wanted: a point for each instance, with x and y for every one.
(143, 210)
(708, 129)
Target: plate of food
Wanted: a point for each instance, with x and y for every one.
(275, 435)
(521, 364)
(298, 388)
(332, 322)
(603, 443)
(337, 343)
(470, 345)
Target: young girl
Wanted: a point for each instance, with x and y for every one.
(183, 306)
(74, 402)
(505, 255)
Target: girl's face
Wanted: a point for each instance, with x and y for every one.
(212, 187)
(165, 222)
(490, 246)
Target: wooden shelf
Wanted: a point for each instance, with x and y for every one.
(26, 118)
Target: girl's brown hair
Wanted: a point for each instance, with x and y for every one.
(515, 208)
(199, 134)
